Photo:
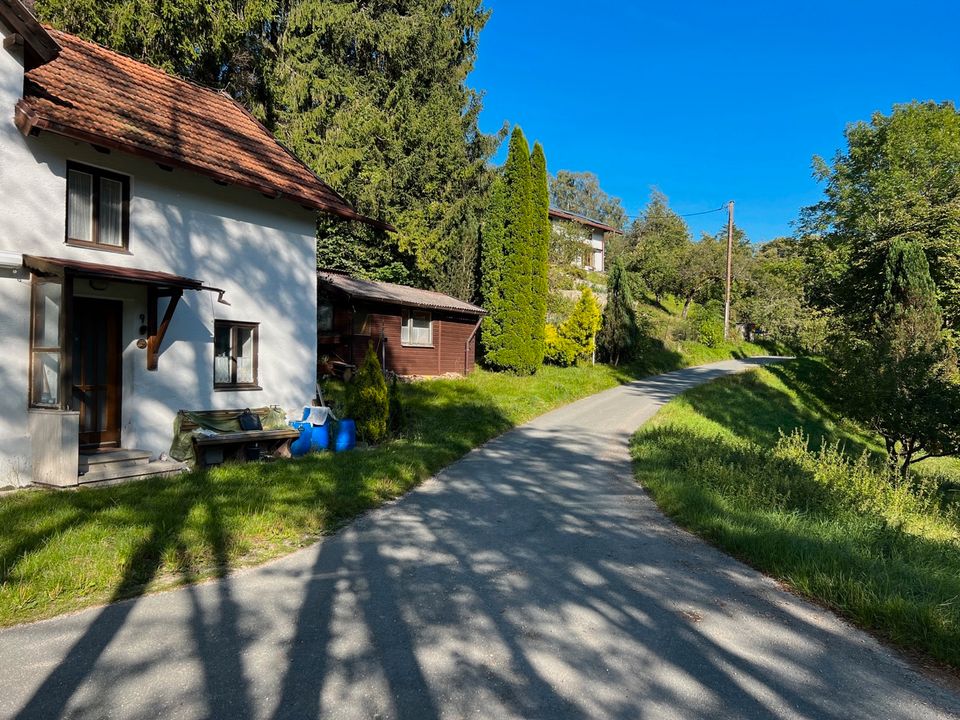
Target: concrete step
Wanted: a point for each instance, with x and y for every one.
(118, 472)
(112, 457)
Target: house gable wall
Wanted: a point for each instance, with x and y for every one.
(262, 252)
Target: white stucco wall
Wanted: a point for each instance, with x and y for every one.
(261, 251)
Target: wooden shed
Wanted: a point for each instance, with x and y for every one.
(415, 332)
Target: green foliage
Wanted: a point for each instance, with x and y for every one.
(620, 332)
(899, 375)
(513, 264)
(657, 241)
(227, 44)
(775, 300)
(560, 350)
(374, 98)
(369, 399)
(899, 179)
(707, 322)
(580, 193)
(762, 466)
(540, 250)
(574, 340)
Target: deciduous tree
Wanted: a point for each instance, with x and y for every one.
(898, 180)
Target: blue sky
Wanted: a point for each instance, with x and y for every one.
(709, 101)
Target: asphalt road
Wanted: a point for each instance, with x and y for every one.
(532, 579)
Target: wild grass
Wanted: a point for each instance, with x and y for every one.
(764, 467)
(64, 551)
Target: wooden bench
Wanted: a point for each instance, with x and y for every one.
(227, 446)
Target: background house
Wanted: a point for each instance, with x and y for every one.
(415, 332)
(134, 203)
(593, 256)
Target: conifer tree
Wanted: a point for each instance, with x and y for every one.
(540, 246)
(619, 332)
(508, 255)
(900, 375)
(491, 272)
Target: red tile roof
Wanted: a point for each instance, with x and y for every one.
(558, 214)
(95, 95)
(395, 294)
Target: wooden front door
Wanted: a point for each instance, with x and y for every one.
(97, 374)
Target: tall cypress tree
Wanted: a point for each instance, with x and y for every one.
(492, 254)
(508, 265)
(540, 247)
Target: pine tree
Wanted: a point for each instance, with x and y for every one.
(540, 210)
(619, 332)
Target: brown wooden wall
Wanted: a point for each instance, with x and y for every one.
(449, 353)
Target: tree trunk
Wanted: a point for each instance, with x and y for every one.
(686, 306)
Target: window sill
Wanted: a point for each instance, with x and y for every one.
(235, 388)
(411, 345)
(98, 246)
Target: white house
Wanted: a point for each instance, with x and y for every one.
(594, 249)
(157, 252)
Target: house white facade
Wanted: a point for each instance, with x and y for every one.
(165, 232)
(593, 234)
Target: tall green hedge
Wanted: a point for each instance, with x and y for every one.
(513, 262)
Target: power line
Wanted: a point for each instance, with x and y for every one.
(702, 212)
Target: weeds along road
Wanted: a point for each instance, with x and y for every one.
(532, 579)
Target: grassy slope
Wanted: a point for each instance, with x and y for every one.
(63, 551)
(884, 558)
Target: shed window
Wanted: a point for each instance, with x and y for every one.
(325, 317)
(236, 349)
(417, 329)
(98, 205)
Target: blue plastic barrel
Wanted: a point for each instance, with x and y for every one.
(346, 436)
(320, 437)
(301, 446)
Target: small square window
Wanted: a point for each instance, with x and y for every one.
(98, 207)
(416, 329)
(236, 349)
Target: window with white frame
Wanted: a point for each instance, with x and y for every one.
(98, 207)
(416, 329)
(46, 346)
(236, 346)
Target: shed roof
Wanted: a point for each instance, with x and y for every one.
(394, 294)
(558, 214)
(89, 93)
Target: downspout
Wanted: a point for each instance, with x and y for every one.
(466, 347)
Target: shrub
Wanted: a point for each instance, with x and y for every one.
(707, 325)
(369, 399)
(559, 350)
(575, 339)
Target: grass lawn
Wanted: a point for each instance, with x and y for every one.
(63, 551)
(726, 461)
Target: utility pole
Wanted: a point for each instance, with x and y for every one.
(726, 303)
